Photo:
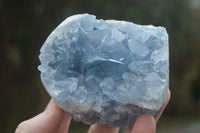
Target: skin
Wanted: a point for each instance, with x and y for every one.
(55, 120)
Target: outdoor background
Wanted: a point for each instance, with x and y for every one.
(25, 24)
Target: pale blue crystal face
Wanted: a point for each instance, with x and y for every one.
(107, 72)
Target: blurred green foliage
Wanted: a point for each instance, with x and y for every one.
(25, 24)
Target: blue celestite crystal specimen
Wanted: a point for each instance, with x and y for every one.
(107, 72)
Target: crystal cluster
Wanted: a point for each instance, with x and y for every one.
(106, 71)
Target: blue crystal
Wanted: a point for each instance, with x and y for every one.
(106, 71)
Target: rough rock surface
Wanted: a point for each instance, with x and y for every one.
(107, 72)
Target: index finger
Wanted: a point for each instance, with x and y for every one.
(160, 111)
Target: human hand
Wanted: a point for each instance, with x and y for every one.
(55, 120)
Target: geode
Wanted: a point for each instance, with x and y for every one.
(106, 71)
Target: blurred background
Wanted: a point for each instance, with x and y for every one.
(25, 24)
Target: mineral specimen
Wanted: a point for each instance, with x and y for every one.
(106, 71)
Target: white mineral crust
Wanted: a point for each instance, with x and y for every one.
(106, 71)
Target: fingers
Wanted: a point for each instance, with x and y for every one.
(55, 120)
(128, 130)
(144, 124)
(160, 111)
(49, 121)
(64, 126)
(156, 116)
(60, 121)
(98, 128)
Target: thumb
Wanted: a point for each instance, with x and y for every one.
(145, 124)
(48, 121)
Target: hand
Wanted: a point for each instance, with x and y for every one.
(55, 120)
